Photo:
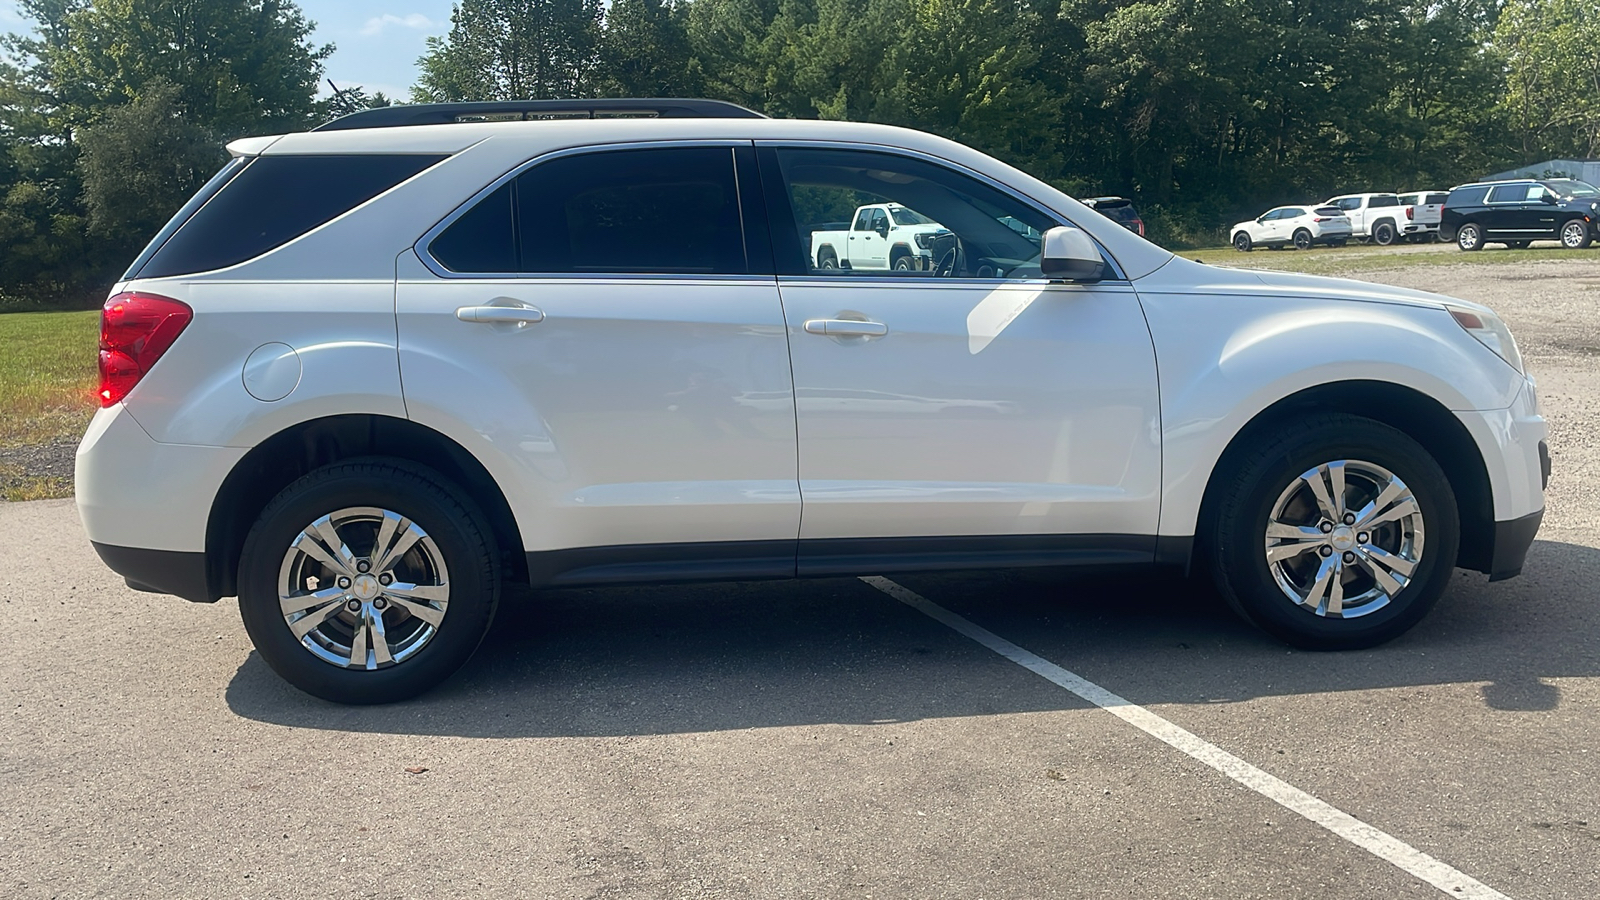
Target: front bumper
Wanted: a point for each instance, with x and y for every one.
(1511, 542)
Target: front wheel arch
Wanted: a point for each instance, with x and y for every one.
(283, 458)
(1422, 418)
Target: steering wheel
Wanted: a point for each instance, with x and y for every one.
(952, 261)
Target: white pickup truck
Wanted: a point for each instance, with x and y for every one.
(883, 236)
(1422, 210)
(1375, 216)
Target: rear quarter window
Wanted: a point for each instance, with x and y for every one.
(273, 200)
(1467, 196)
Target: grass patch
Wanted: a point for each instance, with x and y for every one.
(1370, 258)
(47, 376)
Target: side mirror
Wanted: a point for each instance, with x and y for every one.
(1067, 254)
(883, 229)
(1550, 198)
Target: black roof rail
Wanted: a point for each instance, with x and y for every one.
(534, 110)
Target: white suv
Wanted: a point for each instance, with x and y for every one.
(371, 373)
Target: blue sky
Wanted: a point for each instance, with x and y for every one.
(378, 40)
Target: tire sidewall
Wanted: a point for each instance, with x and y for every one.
(1242, 242)
(1469, 237)
(455, 528)
(1384, 234)
(1241, 536)
(1581, 230)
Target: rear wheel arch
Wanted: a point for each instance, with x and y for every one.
(283, 458)
(1419, 416)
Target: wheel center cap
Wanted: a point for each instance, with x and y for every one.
(1342, 538)
(365, 587)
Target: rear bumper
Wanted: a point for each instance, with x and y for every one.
(174, 572)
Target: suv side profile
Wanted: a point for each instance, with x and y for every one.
(371, 373)
(1517, 213)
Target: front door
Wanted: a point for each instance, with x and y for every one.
(591, 331)
(976, 400)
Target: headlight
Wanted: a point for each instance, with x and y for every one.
(1490, 331)
(922, 240)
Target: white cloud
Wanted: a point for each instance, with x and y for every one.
(377, 24)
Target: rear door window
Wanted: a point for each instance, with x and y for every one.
(272, 201)
(667, 210)
(1513, 193)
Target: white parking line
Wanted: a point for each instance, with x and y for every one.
(1380, 844)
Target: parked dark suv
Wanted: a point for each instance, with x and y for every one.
(1517, 213)
(1119, 210)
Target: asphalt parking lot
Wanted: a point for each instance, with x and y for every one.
(828, 739)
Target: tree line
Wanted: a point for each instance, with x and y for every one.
(1204, 111)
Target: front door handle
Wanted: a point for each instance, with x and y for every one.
(500, 315)
(846, 327)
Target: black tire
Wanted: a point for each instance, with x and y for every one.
(902, 263)
(458, 532)
(827, 259)
(1302, 239)
(1383, 233)
(1250, 482)
(1469, 237)
(1242, 242)
(1575, 234)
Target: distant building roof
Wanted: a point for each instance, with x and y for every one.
(1581, 169)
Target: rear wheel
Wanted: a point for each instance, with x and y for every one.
(368, 582)
(1242, 242)
(1336, 532)
(826, 259)
(1469, 237)
(1383, 234)
(1575, 234)
(1302, 240)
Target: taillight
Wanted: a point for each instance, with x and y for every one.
(135, 329)
(1322, 220)
(1411, 212)
(1140, 224)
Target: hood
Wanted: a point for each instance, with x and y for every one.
(1184, 276)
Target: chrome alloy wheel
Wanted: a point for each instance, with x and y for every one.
(1344, 538)
(363, 588)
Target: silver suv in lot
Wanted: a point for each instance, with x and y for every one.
(371, 373)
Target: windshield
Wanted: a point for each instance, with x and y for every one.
(903, 216)
(1571, 187)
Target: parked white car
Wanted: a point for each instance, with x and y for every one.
(1302, 227)
(1375, 217)
(1420, 213)
(371, 373)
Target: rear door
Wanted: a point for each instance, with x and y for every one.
(596, 330)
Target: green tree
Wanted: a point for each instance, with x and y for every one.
(189, 72)
(1552, 55)
(140, 162)
(644, 51)
(513, 50)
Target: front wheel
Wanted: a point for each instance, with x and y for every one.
(1336, 532)
(1302, 240)
(1242, 242)
(1575, 234)
(368, 582)
(1469, 237)
(903, 264)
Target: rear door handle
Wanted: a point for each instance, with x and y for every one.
(517, 315)
(837, 327)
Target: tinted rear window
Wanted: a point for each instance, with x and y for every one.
(1329, 211)
(1385, 200)
(272, 201)
(661, 210)
(199, 199)
(1432, 199)
(1467, 196)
